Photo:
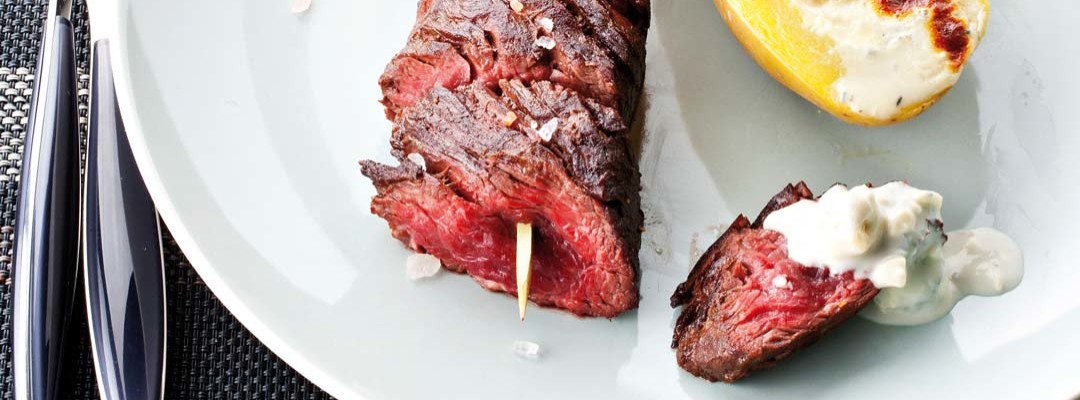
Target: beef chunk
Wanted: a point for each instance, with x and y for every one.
(486, 171)
(520, 110)
(738, 320)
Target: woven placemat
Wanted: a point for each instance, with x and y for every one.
(210, 355)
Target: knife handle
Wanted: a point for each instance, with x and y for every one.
(122, 265)
(46, 253)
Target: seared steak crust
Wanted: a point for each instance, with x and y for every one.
(599, 49)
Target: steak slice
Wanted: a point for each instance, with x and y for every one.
(740, 317)
(599, 49)
(487, 168)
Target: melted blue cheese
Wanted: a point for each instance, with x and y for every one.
(892, 236)
(980, 262)
(890, 62)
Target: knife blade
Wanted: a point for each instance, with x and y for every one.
(46, 252)
(122, 259)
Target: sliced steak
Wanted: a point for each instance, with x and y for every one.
(520, 111)
(487, 168)
(740, 317)
(599, 49)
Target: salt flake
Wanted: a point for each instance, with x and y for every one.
(300, 6)
(780, 281)
(509, 118)
(516, 6)
(547, 24)
(548, 130)
(545, 42)
(527, 350)
(418, 159)
(419, 266)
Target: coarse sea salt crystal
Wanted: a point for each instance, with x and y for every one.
(780, 281)
(516, 6)
(547, 24)
(419, 266)
(545, 42)
(548, 130)
(299, 6)
(526, 349)
(418, 159)
(509, 118)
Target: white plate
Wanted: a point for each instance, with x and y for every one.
(248, 122)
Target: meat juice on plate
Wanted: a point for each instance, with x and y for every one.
(892, 235)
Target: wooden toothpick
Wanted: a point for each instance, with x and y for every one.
(524, 267)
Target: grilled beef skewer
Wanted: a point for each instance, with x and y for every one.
(511, 112)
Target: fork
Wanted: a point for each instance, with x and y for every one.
(47, 231)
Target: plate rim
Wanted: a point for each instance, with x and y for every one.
(113, 26)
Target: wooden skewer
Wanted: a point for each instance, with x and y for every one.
(524, 267)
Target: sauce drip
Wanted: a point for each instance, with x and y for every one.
(949, 33)
(892, 235)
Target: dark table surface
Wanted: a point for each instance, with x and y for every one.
(210, 355)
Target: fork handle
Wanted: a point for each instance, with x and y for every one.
(47, 224)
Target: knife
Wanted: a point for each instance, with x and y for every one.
(47, 230)
(122, 259)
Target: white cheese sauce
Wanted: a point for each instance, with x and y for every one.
(892, 236)
(981, 262)
(889, 61)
